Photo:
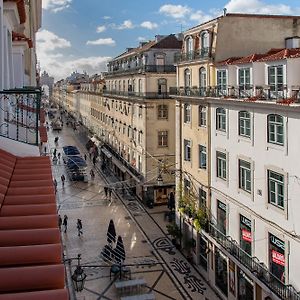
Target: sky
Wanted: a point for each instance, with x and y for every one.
(83, 35)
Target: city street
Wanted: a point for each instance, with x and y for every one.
(143, 231)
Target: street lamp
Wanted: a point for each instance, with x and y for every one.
(78, 276)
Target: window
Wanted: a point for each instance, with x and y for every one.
(245, 175)
(275, 78)
(187, 150)
(189, 44)
(187, 113)
(204, 43)
(202, 79)
(221, 216)
(202, 198)
(202, 157)
(276, 189)
(202, 116)
(162, 86)
(163, 138)
(187, 78)
(277, 257)
(221, 119)
(244, 78)
(245, 234)
(221, 165)
(162, 111)
(140, 85)
(275, 129)
(187, 186)
(221, 81)
(244, 124)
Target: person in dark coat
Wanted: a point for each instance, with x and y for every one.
(106, 191)
(65, 223)
(79, 227)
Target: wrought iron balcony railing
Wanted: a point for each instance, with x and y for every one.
(199, 54)
(147, 95)
(142, 69)
(19, 114)
(256, 267)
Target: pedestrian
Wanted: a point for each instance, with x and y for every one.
(90, 155)
(59, 222)
(65, 223)
(106, 191)
(79, 227)
(45, 150)
(54, 152)
(94, 160)
(58, 155)
(63, 179)
(55, 185)
(92, 174)
(109, 193)
(85, 157)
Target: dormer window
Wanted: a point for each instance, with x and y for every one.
(204, 37)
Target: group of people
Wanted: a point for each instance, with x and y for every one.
(64, 222)
(107, 191)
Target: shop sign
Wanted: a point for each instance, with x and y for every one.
(278, 258)
(245, 221)
(246, 235)
(277, 242)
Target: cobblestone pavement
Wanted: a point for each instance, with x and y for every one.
(143, 232)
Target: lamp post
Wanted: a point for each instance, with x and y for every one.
(78, 276)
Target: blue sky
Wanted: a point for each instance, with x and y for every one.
(83, 35)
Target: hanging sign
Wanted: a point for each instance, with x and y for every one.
(278, 258)
(246, 235)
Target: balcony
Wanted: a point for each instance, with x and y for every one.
(277, 94)
(257, 268)
(147, 95)
(20, 114)
(199, 54)
(141, 69)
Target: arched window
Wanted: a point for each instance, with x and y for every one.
(140, 87)
(275, 129)
(187, 78)
(189, 44)
(162, 86)
(202, 79)
(220, 119)
(124, 86)
(204, 43)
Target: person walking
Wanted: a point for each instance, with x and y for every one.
(58, 155)
(109, 193)
(106, 191)
(55, 185)
(85, 156)
(92, 174)
(79, 227)
(54, 152)
(65, 223)
(63, 179)
(94, 160)
(59, 222)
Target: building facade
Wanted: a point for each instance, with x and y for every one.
(207, 151)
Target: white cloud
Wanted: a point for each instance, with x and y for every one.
(259, 7)
(127, 24)
(105, 42)
(49, 41)
(141, 39)
(101, 28)
(174, 11)
(149, 25)
(56, 5)
(200, 17)
(106, 17)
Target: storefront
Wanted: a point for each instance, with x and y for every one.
(221, 217)
(245, 234)
(277, 256)
(245, 286)
(221, 273)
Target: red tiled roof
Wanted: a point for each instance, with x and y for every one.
(16, 36)
(21, 9)
(30, 247)
(283, 54)
(228, 61)
(249, 59)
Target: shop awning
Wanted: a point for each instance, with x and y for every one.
(106, 153)
(76, 162)
(119, 165)
(71, 150)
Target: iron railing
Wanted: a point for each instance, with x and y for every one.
(146, 95)
(199, 54)
(246, 92)
(256, 267)
(19, 114)
(142, 69)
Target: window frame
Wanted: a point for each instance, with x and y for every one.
(245, 175)
(221, 165)
(202, 157)
(276, 125)
(187, 113)
(277, 185)
(202, 113)
(187, 150)
(243, 120)
(162, 111)
(221, 119)
(162, 136)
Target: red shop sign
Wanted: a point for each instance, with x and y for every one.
(277, 258)
(246, 235)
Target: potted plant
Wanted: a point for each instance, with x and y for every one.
(175, 233)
